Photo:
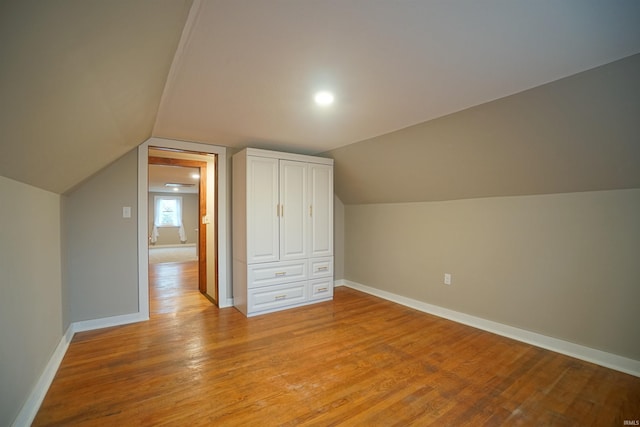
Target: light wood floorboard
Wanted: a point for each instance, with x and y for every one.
(358, 360)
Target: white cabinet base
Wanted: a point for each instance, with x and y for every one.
(321, 289)
(274, 297)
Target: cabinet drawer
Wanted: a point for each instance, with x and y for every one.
(274, 273)
(321, 288)
(271, 297)
(321, 267)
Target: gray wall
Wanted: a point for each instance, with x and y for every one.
(81, 83)
(101, 256)
(563, 265)
(581, 133)
(169, 235)
(31, 318)
(529, 240)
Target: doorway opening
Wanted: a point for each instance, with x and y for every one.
(219, 265)
(182, 225)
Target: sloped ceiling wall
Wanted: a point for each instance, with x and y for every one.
(581, 133)
(80, 80)
(246, 71)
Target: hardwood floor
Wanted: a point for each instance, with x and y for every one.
(357, 360)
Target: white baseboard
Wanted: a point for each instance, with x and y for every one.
(29, 410)
(602, 358)
(107, 322)
(227, 303)
(173, 245)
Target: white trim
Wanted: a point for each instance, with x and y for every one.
(288, 156)
(602, 358)
(30, 408)
(143, 224)
(223, 230)
(108, 322)
(173, 245)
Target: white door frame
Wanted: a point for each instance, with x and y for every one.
(224, 297)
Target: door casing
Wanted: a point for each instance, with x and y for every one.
(223, 240)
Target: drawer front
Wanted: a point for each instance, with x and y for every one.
(272, 297)
(321, 288)
(321, 267)
(274, 273)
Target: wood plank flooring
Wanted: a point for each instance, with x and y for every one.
(357, 360)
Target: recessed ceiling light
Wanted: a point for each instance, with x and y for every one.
(179, 184)
(324, 98)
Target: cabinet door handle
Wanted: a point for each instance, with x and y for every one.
(310, 210)
(281, 273)
(325, 268)
(322, 289)
(280, 297)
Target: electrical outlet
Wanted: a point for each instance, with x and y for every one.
(447, 278)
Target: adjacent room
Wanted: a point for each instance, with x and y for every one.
(319, 212)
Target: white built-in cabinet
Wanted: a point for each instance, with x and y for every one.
(282, 230)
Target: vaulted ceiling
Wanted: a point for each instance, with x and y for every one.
(84, 81)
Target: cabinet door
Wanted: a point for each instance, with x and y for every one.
(293, 211)
(321, 209)
(262, 210)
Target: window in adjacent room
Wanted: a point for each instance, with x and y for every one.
(168, 211)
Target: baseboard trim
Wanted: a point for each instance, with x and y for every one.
(107, 322)
(588, 354)
(30, 408)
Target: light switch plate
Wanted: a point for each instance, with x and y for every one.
(126, 212)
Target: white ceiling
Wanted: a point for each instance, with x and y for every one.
(160, 175)
(245, 71)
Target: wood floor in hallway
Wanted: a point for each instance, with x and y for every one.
(358, 360)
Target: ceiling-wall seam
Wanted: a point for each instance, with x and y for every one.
(185, 37)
